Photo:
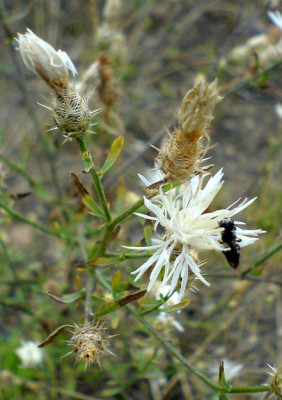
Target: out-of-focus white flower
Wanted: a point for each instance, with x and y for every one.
(276, 18)
(42, 59)
(165, 318)
(278, 110)
(162, 291)
(30, 354)
(188, 229)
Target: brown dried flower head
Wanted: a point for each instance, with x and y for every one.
(71, 113)
(90, 342)
(106, 88)
(182, 155)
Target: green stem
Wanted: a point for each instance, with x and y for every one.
(7, 256)
(249, 389)
(116, 221)
(262, 260)
(19, 170)
(90, 167)
(127, 213)
(34, 224)
(88, 296)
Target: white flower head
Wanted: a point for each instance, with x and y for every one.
(30, 354)
(276, 18)
(275, 382)
(188, 228)
(43, 60)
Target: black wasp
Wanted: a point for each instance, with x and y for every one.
(228, 237)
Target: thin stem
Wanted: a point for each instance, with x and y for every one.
(34, 224)
(249, 389)
(127, 213)
(90, 167)
(7, 256)
(116, 221)
(19, 170)
(88, 296)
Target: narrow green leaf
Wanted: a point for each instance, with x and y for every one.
(91, 204)
(115, 305)
(112, 392)
(222, 396)
(66, 298)
(148, 303)
(113, 155)
(148, 232)
(94, 251)
(102, 261)
(176, 307)
(110, 308)
(115, 319)
(116, 281)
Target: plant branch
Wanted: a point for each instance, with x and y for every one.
(90, 167)
(22, 218)
(171, 349)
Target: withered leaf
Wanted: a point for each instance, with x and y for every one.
(78, 186)
(53, 335)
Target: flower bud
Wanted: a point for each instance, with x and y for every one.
(71, 113)
(43, 60)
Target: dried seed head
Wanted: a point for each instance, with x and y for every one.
(276, 382)
(183, 153)
(106, 88)
(90, 342)
(196, 111)
(43, 60)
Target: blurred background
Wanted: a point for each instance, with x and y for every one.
(151, 53)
